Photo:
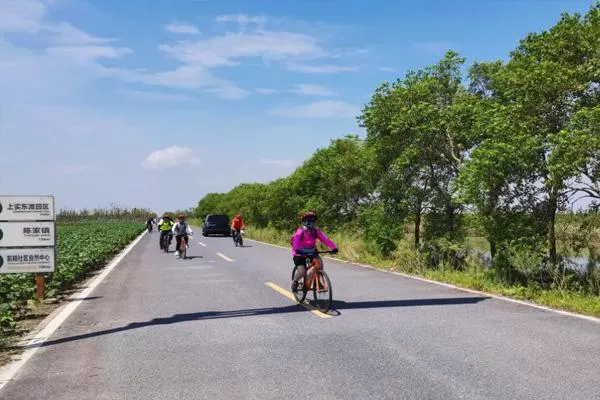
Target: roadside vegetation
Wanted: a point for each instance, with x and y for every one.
(86, 240)
(488, 179)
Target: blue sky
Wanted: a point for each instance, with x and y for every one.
(155, 103)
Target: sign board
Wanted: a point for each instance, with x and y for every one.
(40, 260)
(26, 234)
(26, 208)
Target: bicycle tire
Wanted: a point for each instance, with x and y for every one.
(325, 305)
(302, 295)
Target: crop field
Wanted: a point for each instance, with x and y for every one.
(82, 247)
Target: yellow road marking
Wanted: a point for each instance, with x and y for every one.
(290, 296)
(224, 257)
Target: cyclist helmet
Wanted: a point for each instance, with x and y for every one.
(181, 216)
(308, 215)
(167, 215)
(308, 218)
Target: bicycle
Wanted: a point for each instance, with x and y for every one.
(164, 241)
(183, 247)
(237, 238)
(318, 282)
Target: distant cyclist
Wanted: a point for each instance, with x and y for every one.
(304, 244)
(181, 230)
(149, 223)
(165, 224)
(237, 224)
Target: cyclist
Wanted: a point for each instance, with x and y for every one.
(149, 223)
(304, 244)
(181, 229)
(165, 224)
(237, 224)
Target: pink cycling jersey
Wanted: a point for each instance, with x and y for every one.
(306, 239)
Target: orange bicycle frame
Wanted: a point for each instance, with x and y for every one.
(315, 266)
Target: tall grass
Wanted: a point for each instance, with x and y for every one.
(113, 213)
(473, 275)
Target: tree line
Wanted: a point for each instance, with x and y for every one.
(501, 146)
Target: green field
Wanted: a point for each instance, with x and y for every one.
(82, 247)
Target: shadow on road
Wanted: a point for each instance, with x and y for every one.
(84, 298)
(205, 315)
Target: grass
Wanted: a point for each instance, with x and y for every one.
(406, 260)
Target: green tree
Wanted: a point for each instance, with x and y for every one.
(530, 103)
(416, 129)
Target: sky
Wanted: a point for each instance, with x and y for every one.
(154, 103)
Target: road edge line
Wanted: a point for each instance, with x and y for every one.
(55, 320)
(462, 289)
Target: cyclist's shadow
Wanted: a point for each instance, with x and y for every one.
(354, 305)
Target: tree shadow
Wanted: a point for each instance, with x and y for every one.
(83, 298)
(207, 315)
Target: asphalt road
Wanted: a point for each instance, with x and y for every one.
(210, 328)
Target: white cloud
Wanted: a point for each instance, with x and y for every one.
(154, 96)
(228, 49)
(434, 47)
(312, 90)
(266, 91)
(85, 54)
(319, 69)
(22, 15)
(230, 92)
(182, 28)
(319, 109)
(184, 77)
(67, 34)
(242, 19)
(170, 157)
(387, 69)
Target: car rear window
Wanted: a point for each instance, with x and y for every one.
(218, 219)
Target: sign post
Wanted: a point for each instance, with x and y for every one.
(28, 237)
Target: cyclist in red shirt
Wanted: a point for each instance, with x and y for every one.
(237, 224)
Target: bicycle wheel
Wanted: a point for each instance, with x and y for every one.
(299, 294)
(323, 297)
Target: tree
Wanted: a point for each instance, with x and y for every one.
(551, 78)
(416, 130)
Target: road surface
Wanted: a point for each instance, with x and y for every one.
(211, 328)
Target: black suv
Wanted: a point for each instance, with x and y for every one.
(216, 224)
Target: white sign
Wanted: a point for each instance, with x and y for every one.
(26, 208)
(26, 234)
(39, 260)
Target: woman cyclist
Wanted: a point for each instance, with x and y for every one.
(304, 244)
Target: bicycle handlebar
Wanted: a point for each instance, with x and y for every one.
(319, 252)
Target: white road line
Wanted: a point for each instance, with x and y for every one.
(9, 371)
(201, 244)
(224, 257)
(448, 285)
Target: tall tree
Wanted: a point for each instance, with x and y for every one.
(416, 127)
